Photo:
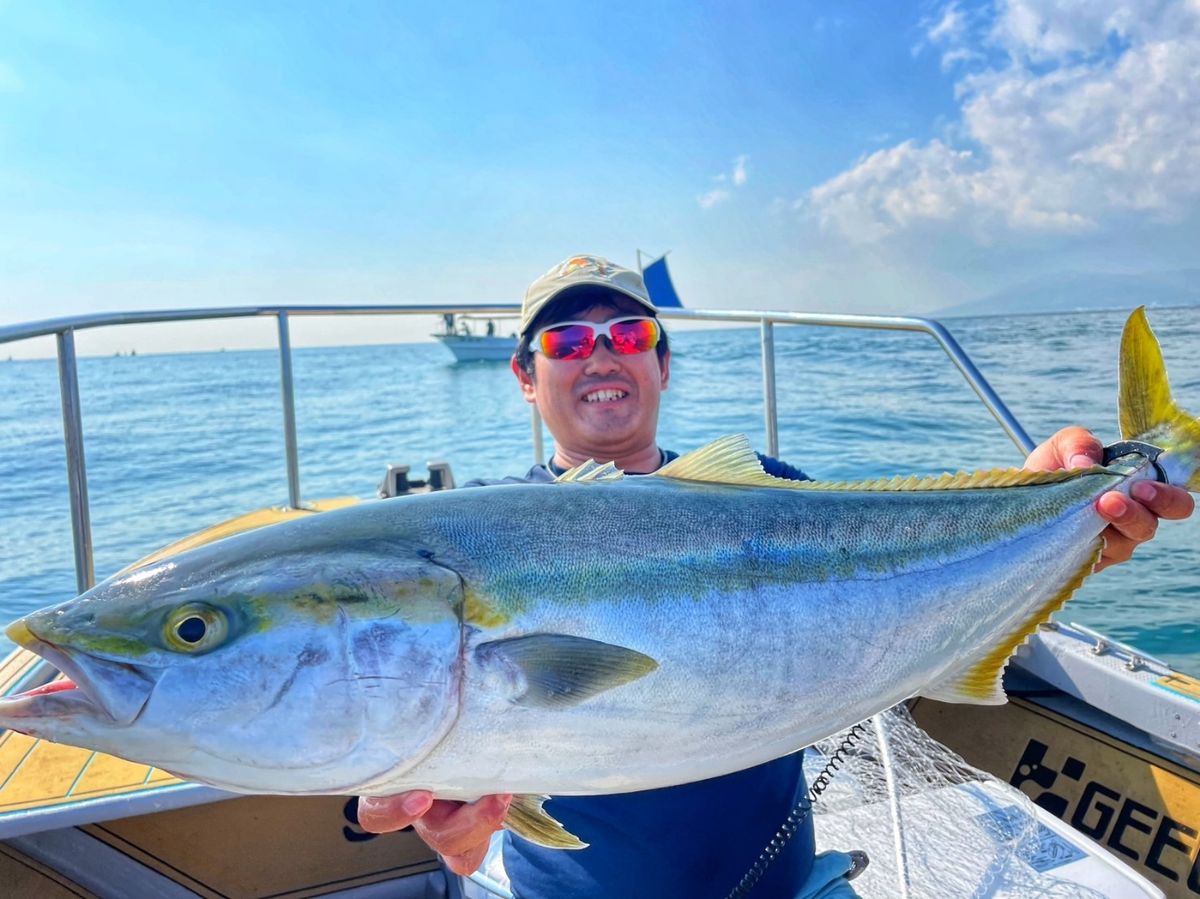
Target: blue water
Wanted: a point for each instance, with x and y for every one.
(176, 442)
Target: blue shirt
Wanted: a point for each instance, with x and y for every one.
(693, 840)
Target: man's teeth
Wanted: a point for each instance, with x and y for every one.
(604, 396)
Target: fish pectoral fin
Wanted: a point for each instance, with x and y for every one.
(528, 820)
(982, 681)
(560, 670)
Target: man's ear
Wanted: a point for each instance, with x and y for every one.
(528, 389)
(665, 368)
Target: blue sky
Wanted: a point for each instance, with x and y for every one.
(861, 156)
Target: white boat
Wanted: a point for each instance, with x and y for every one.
(1103, 739)
(459, 337)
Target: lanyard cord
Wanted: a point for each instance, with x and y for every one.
(796, 816)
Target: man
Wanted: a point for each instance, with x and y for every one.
(594, 360)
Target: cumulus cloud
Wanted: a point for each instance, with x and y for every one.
(739, 170)
(719, 194)
(713, 197)
(1083, 110)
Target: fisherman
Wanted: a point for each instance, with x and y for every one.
(594, 359)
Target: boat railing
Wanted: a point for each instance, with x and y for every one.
(64, 329)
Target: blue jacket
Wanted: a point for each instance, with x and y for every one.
(694, 840)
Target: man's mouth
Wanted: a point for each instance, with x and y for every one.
(606, 395)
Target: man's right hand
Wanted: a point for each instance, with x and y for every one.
(458, 831)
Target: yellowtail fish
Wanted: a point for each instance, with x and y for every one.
(600, 634)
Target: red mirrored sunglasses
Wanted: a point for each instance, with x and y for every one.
(628, 336)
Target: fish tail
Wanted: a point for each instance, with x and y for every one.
(1147, 411)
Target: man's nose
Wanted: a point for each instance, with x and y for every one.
(603, 358)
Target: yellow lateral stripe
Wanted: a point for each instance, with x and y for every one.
(981, 680)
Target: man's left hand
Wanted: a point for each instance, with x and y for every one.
(1132, 519)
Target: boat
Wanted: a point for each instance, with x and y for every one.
(459, 337)
(461, 334)
(1094, 764)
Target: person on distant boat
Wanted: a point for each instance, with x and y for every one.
(491, 328)
(594, 359)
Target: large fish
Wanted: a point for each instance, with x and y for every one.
(601, 634)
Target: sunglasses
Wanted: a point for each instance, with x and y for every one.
(576, 340)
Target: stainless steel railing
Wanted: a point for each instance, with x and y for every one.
(64, 330)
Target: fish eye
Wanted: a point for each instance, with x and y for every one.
(195, 627)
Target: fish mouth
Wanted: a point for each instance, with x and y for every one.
(113, 693)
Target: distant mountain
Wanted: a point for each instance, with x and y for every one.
(1072, 291)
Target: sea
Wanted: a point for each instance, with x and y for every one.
(176, 442)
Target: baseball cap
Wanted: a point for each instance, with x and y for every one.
(579, 271)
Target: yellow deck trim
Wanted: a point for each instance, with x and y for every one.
(40, 774)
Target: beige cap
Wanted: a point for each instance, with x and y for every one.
(577, 272)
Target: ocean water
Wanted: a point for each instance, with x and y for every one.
(177, 442)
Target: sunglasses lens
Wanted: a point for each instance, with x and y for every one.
(636, 336)
(569, 342)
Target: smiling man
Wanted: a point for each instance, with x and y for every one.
(594, 359)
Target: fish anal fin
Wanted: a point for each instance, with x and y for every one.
(559, 670)
(528, 820)
(982, 682)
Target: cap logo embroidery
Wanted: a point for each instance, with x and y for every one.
(598, 266)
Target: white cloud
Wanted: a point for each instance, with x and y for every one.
(713, 197)
(737, 177)
(1089, 110)
(739, 170)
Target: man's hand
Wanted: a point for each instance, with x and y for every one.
(1132, 519)
(457, 831)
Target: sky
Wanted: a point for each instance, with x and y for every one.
(857, 156)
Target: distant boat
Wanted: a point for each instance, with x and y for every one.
(458, 334)
(460, 338)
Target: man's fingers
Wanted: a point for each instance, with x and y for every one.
(1072, 447)
(1128, 516)
(454, 829)
(383, 814)
(1163, 500)
(467, 863)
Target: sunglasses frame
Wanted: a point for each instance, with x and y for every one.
(599, 329)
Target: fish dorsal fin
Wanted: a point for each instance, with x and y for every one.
(526, 818)
(961, 480)
(730, 460)
(591, 470)
(727, 460)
